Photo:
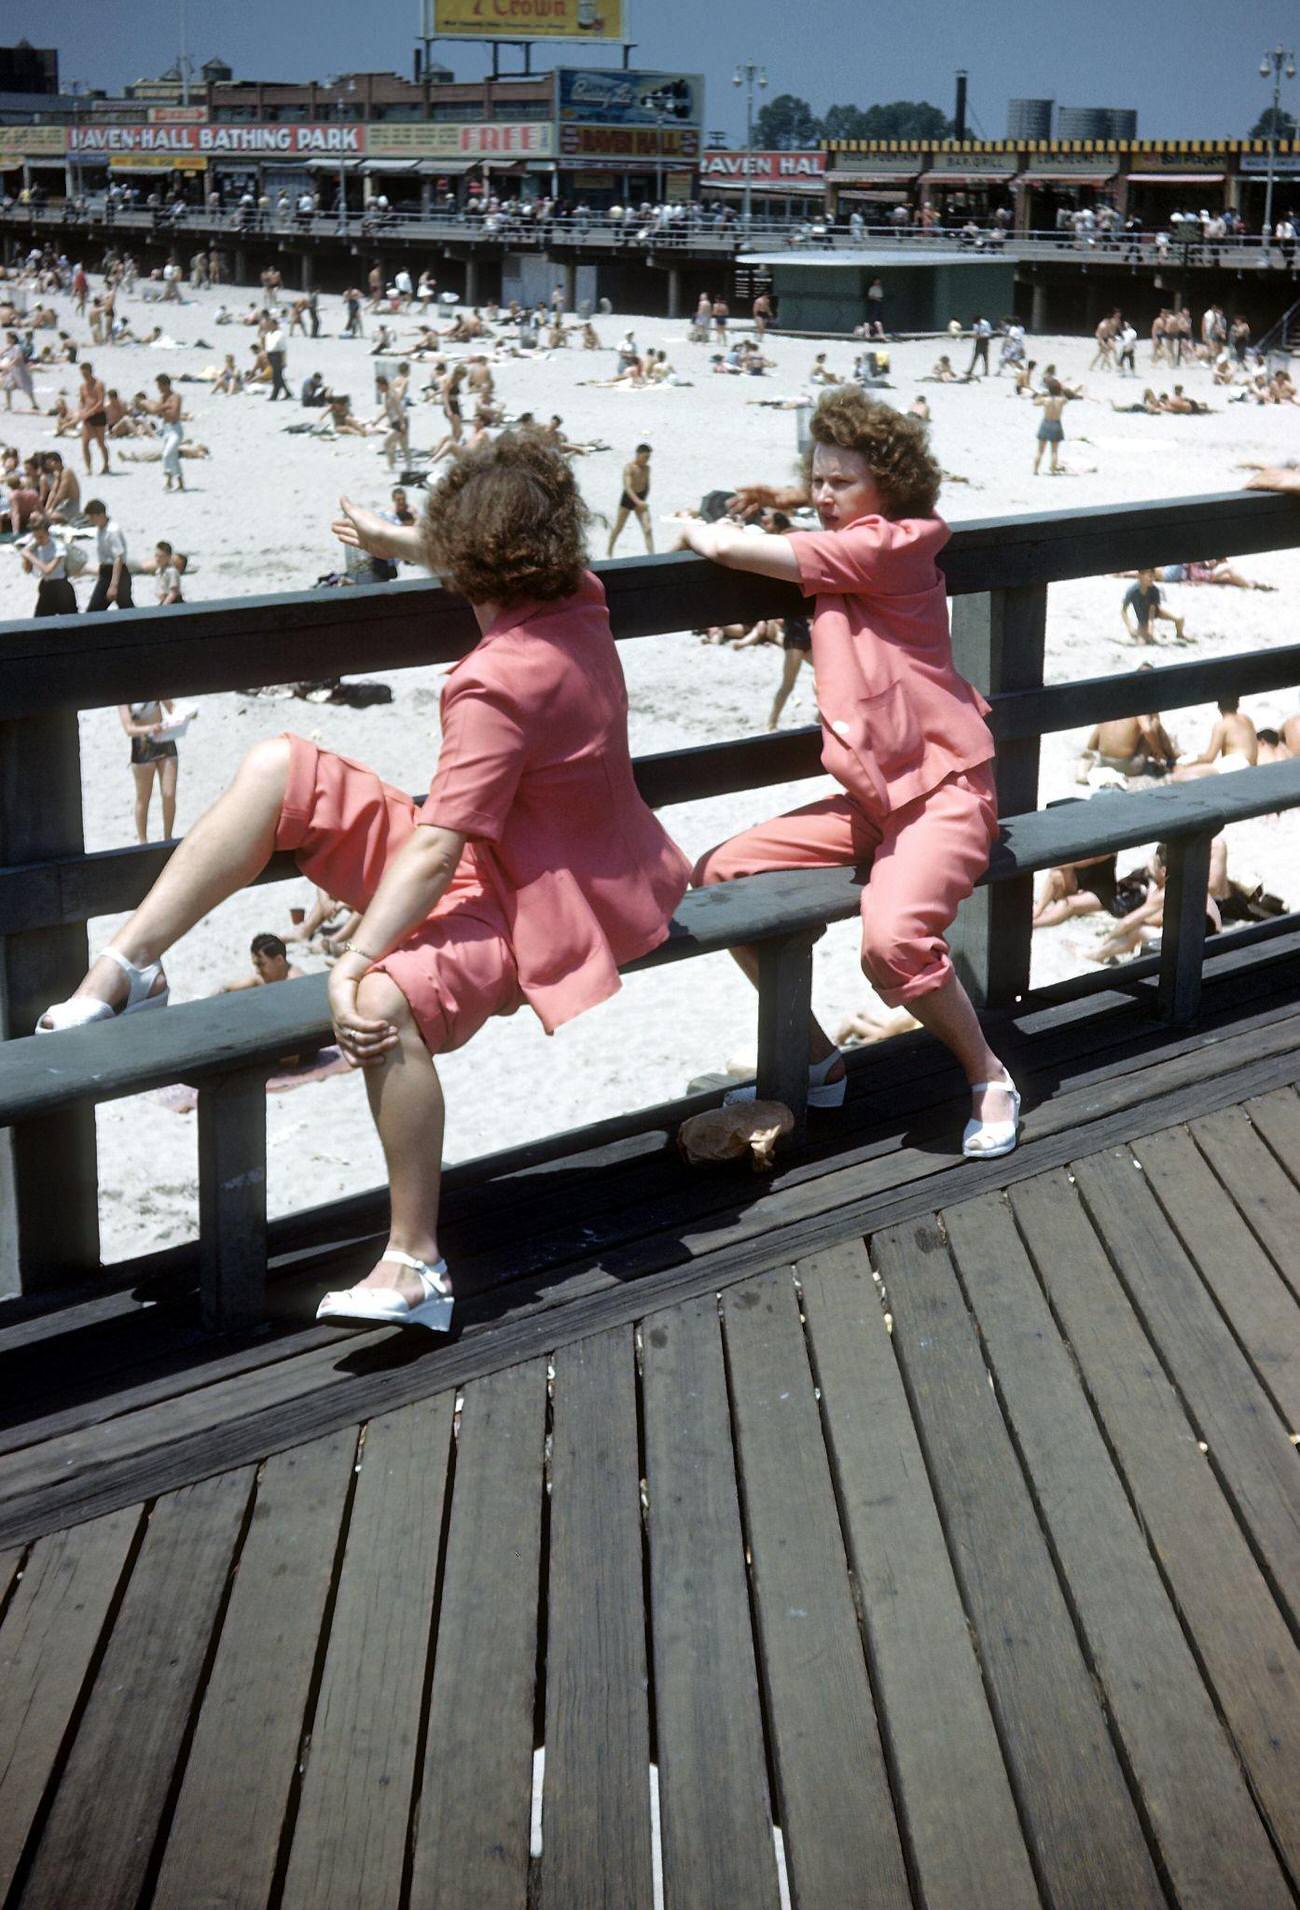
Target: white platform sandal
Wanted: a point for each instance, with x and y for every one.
(80, 1010)
(384, 1306)
(821, 1092)
(985, 1140)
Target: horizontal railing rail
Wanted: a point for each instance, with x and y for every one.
(705, 234)
(998, 573)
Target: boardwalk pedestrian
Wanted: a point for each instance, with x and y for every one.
(47, 560)
(113, 584)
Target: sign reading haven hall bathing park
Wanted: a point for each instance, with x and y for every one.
(526, 19)
(196, 141)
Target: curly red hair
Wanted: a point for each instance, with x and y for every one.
(895, 447)
(507, 523)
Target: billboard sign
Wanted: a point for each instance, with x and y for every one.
(608, 97)
(525, 19)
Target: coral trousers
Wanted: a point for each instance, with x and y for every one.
(924, 858)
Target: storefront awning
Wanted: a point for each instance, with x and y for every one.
(846, 176)
(39, 159)
(1176, 178)
(391, 165)
(325, 165)
(767, 188)
(448, 168)
(975, 177)
(1066, 178)
(880, 196)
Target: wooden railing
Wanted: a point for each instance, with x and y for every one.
(998, 572)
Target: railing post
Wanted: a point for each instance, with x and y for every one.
(232, 1201)
(1182, 932)
(49, 1194)
(784, 1011)
(998, 640)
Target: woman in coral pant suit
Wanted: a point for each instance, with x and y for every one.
(532, 871)
(902, 734)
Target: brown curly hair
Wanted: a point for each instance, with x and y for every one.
(893, 445)
(506, 523)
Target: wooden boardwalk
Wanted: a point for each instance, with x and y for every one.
(916, 1534)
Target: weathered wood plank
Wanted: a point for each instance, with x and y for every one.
(107, 1809)
(1255, 1151)
(349, 1837)
(1251, 1293)
(47, 1645)
(967, 1847)
(1182, 935)
(1066, 1774)
(715, 1811)
(596, 1793)
(687, 1252)
(225, 1834)
(232, 1201)
(841, 1839)
(1214, 1847)
(784, 1008)
(1241, 1638)
(472, 1829)
(1233, 1415)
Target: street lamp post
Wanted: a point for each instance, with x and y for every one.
(345, 95)
(748, 75)
(1280, 60)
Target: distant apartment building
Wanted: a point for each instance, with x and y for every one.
(1096, 122)
(29, 69)
(1029, 118)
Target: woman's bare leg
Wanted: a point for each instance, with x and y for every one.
(229, 845)
(820, 1044)
(142, 777)
(406, 1101)
(168, 769)
(947, 1013)
(791, 663)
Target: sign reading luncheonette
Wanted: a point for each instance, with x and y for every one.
(270, 140)
(771, 168)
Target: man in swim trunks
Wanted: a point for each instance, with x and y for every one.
(1127, 746)
(1144, 605)
(1053, 398)
(92, 416)
(636, 489)
(1233, 744)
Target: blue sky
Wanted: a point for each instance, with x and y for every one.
(1190, 68)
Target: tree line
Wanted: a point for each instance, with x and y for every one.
(788, 124)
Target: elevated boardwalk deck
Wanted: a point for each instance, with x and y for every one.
(896, 1531)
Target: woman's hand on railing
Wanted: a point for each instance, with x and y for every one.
(364, 529)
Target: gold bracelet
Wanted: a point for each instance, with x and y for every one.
(350, 948)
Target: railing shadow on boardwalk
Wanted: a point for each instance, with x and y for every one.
(998, 573)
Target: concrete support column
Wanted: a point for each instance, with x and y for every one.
(674, 291)
(471, 282)
(305, 271)
(1038, 306)
(241, 265)
(570, 286)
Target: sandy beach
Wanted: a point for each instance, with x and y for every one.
(255, 519)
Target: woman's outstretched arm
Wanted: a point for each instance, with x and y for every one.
(736, 549)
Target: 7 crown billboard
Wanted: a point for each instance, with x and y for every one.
(526, 19)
